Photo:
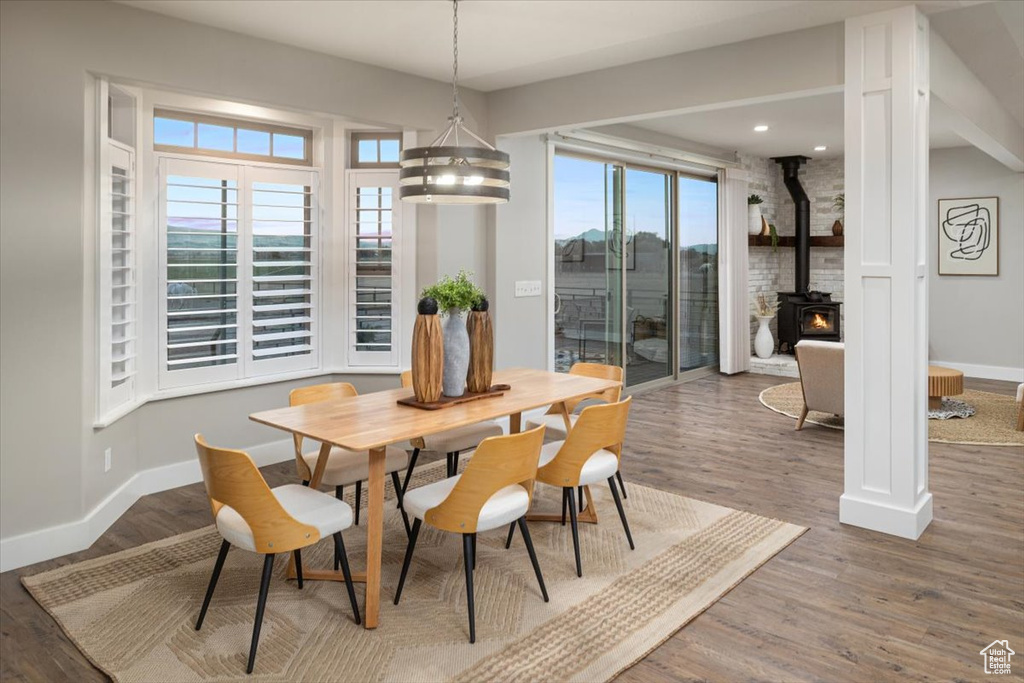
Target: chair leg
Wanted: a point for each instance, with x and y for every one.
(339, 493)
(511, 532)
(474, 551)
(579, 494)
(533, 556)
(467, 556)
(565, 503)
(622, 484)
(575, 530)
(305, 482)
(800, 420)
(342, 557)
(408, 558)
(398, 494)
(622, 513)
(261, 604)
(359, 496)
(408, 472)
(448, 464)
(298, 566)
(224, 547)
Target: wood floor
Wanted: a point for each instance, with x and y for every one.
(839, 604)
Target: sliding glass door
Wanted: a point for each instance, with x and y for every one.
(620, 296)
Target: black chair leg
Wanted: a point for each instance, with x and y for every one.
(397, 484)
(298, 566)
(408, 472)
(339, 493)
(575, 530)
(305, 482)
(261, 604)
(565, 504)
(622, 484)
(533, 556)
(224, 547)
(359, 496)
(342, 557)
(622, 513)
(467, 554)
(408, 558)
(579, 492)
(474, 552)
(511, 533)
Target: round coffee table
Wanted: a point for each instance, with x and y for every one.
(943, 382)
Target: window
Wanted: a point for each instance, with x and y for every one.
(376, 150)
(117, 291)
(374, 229)
(238, 271)
(214, 136)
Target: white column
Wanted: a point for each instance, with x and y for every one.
(886, 273)
(733, 274)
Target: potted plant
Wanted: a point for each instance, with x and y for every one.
(764, 310)
(453, 297)
(839, 204)
(754, 214)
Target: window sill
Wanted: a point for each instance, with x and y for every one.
(121, 411)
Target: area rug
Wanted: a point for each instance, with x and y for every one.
(992, 424)
(132, 613)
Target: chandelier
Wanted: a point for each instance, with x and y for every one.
(449, 171)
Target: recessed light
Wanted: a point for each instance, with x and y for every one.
(761, 128)
(820, 148)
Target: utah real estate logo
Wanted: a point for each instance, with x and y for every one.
(997, 657)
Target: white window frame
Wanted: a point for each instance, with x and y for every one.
(356, 178)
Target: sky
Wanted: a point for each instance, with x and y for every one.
(580, 201)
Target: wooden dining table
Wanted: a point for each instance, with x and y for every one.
(370, 422)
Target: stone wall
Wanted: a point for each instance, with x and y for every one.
(772, 272)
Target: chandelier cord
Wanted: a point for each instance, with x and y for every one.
(455, 59)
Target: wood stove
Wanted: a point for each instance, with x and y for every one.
(803, 314)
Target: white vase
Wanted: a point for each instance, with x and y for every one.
(754, 219)
(764, 344)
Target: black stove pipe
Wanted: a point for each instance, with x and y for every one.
(802, 242)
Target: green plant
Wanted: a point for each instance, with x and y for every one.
(755, 199)
(459, 292)
(839, 203)
(773, 233)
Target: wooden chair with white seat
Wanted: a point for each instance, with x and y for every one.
(343, 467)
(495, 489)
(591, 452)
(252, 516)
(451, 442)
(554, 420)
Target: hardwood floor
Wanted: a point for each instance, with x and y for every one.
(840, 603)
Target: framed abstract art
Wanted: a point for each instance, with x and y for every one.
(969, 236)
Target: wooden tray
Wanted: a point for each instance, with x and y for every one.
(448, 402)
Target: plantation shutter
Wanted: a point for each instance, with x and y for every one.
(374, 231)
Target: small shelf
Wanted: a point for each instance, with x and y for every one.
(790, 240)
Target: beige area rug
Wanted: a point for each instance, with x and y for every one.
(132, 613)
(992, 424)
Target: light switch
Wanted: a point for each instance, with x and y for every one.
(528, 288)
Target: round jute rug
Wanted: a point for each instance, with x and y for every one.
(992, 424)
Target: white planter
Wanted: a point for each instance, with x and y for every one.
(754, 219)
(764, 343)
(456, 354)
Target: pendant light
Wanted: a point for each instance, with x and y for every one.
(448, 171)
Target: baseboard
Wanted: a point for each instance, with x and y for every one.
(885, 518)
(62, 539)
(1008, 374)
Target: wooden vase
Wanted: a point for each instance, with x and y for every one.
(837, 229)
(481, 351)
(427, 358)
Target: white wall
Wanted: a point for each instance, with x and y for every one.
(51, 459)
(975, 320)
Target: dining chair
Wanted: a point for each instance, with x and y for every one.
(495, 489)
(554, 421)
(591, 452)
(252, 516)
(451, 442)
(344, 467)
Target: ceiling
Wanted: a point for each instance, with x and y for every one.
(795, 126)
(990, 40)
(505, 43)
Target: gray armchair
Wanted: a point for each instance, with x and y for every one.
(821, 377)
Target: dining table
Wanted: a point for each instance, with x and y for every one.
(370, 422)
